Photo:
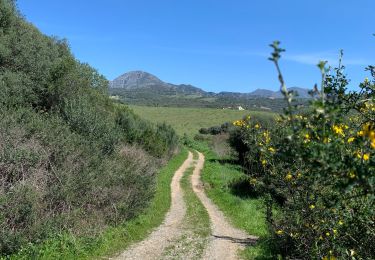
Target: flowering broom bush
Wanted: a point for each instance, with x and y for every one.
(316, 165)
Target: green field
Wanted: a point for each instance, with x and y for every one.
(190, 120)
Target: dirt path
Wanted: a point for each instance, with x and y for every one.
(170, 239)
(226, 241)
(168, 232)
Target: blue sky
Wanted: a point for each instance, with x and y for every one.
(213, 44)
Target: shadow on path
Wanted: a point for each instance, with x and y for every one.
(247, 241)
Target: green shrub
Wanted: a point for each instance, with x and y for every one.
(215, 130)
(54, 179)
(71, 161)
(317, 166)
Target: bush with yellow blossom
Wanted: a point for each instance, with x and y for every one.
(316, 164)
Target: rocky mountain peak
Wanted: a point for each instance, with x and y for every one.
(136, 79)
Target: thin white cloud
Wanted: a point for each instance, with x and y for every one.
(330, 57)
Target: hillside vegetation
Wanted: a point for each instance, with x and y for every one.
(71, 161)
(316, 168)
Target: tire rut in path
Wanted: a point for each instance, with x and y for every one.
(170, 230)
(226, 240)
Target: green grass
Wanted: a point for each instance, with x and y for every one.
(243, 212)
(190, 120)
(115, 239)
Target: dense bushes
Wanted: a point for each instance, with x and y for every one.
(215, 130)
(71, 161)
(317, 167)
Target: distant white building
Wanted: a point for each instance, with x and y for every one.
(115, 97)
(235, 108)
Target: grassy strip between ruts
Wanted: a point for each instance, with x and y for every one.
(115, 239)
(243, 212)
(197, 215)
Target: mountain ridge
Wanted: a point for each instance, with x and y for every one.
(142, 81)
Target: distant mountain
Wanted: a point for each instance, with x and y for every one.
(137, 79)
(140, 81)
(145, 82)
(265, 93)
(302, 92)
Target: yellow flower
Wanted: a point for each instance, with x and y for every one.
(366, 156)
(289, 176)
(264, 162)
(299, 175)
(239, 123)
(253, 181)
(312, 206)
(338, 129)
(334, 231)
(307, 138)
(257, 126)
(352, 175)
(328, 234)
(271, 149)
(341, 222)
(368, 130)
(368, 106)
(279, 232)
(267, 137)
(350, 140)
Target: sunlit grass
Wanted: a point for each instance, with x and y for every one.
(190, 120)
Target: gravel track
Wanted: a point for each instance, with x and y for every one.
(225, 241)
